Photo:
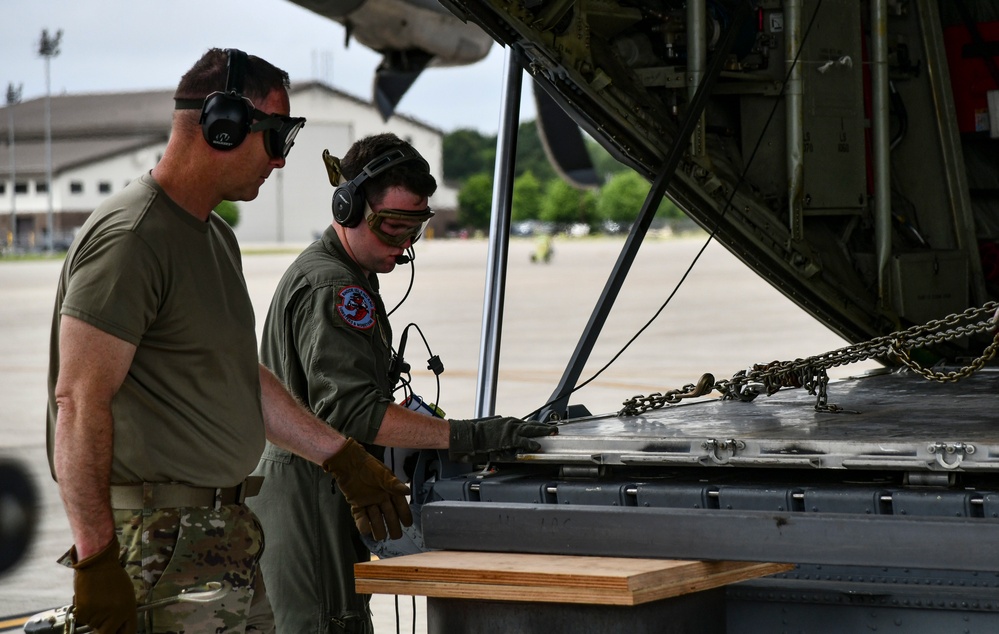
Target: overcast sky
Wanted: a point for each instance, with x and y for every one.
(112, 45)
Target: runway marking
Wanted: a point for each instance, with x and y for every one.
(12, 623)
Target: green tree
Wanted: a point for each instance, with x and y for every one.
(563, 204)
(588, 207)
(605, 165)
(467, 152)
(668, 209)
(475, 202)
(229, 211)
(531, 155)
(526, 197)
(621, 199)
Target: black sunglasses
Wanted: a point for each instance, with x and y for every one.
(280, 132)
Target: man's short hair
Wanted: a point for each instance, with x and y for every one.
(209, 74)
(411, 175)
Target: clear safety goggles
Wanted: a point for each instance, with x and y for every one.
(395, 227)
(279, 131)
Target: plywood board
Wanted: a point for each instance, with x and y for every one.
(550, 578)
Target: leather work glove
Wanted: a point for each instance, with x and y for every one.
(480, 436)
(377, 498)
(103, 593)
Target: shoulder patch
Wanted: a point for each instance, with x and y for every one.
(356, 307)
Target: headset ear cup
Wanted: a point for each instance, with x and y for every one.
(348, 201)
(347, 207)
(225, 121)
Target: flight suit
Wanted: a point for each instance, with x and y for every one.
(327, 337)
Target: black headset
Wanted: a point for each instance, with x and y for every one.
(348, 199)
(226, 116)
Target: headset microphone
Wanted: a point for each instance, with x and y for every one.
(408, 257)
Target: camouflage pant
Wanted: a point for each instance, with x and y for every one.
(166, 551)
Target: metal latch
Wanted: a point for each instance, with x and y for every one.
(721, 451)
(951, 455)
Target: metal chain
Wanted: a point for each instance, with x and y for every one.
(949, 377)
(811, 373)
(656, 400)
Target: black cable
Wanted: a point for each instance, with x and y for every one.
(437, 368)
(714, 231)
(404, 385)
(433, 364)
(902, 115)
(397, 620)
(398, 617)
(412, 276)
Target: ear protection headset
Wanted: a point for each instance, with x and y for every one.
(348, 199)
(226, 116)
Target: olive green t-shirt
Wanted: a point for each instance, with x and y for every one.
(144, 270)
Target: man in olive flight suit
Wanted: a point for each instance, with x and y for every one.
(327, 336)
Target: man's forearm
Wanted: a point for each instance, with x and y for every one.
(292, 426)
(83, 449)
(93, 364)
(402, 427)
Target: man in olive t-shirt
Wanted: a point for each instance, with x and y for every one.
(158, 406)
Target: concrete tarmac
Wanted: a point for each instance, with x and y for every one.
(723, 319)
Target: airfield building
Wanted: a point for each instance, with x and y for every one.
(100, 141)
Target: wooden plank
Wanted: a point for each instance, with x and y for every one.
(550, 578)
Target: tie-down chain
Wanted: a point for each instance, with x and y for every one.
(811, 373)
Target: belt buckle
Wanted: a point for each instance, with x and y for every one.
(240, 493)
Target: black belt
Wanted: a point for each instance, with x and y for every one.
(170, 495)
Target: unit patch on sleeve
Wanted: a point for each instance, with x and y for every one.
(355, 307)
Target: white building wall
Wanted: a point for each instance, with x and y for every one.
(294, 205)
(32, 207)
(116, 172)
(29, 202)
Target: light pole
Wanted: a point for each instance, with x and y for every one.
(13, 98)
(49, 48)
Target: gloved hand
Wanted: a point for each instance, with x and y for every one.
(103, 593)
(377, 498)
(481, 436)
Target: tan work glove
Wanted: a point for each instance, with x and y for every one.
(477, 438)
(103, 593)
(377, 498)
